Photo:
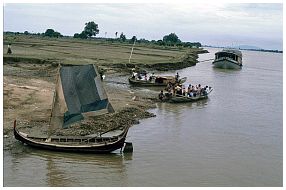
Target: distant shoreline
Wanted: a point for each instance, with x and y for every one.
(262, 50)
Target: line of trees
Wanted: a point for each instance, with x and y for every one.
(48, 33)
(168, 40)
(91, 30)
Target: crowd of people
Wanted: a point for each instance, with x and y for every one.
(181, 90)
(142, 76)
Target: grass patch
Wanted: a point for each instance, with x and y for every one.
(42, 50)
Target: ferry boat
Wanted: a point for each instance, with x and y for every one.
(228, 59)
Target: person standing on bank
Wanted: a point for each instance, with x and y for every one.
(9, 51)
(177, 77)
(161, 95)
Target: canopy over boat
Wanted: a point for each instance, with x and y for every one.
(232, 51)
(79, 93)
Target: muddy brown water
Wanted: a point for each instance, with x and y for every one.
(234, 138)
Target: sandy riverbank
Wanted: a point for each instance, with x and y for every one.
(28, 92)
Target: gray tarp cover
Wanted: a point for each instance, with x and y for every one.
(83, 92)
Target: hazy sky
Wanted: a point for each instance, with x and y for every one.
(211, 24)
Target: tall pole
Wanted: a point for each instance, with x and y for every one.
(132, 51)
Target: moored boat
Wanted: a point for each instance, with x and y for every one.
(228, 59)
(78, 144)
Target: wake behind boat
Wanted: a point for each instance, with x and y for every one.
(79, 97)
(228, 59)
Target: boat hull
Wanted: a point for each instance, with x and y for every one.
(226, 64)
(185, 99)
(99, 145)
(144, 83)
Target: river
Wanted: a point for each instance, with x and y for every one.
(234, 138)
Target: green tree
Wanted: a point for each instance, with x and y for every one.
(49, 32)
(161, 43)
(122, 37)
(133, 39)
(76, 35)
(171, 39)
(143, 40)
(91, 29)
(197, 44)
(52, 33)
(82, 35)
(57, 35)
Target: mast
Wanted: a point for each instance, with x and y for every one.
(131, 51)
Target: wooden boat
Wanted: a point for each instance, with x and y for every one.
(228, 59)
(157, 81)
(73, 143)
(184, 99)
(80, 95)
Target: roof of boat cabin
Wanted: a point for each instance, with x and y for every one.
(234, 51)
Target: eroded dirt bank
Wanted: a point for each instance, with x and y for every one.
(28, 93)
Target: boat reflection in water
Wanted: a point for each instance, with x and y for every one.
(69, 169)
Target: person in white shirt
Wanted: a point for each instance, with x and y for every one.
(9, 51)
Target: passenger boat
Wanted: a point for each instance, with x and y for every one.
(184, 99)
(79, 95)
(156, 81)
(228, 59)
